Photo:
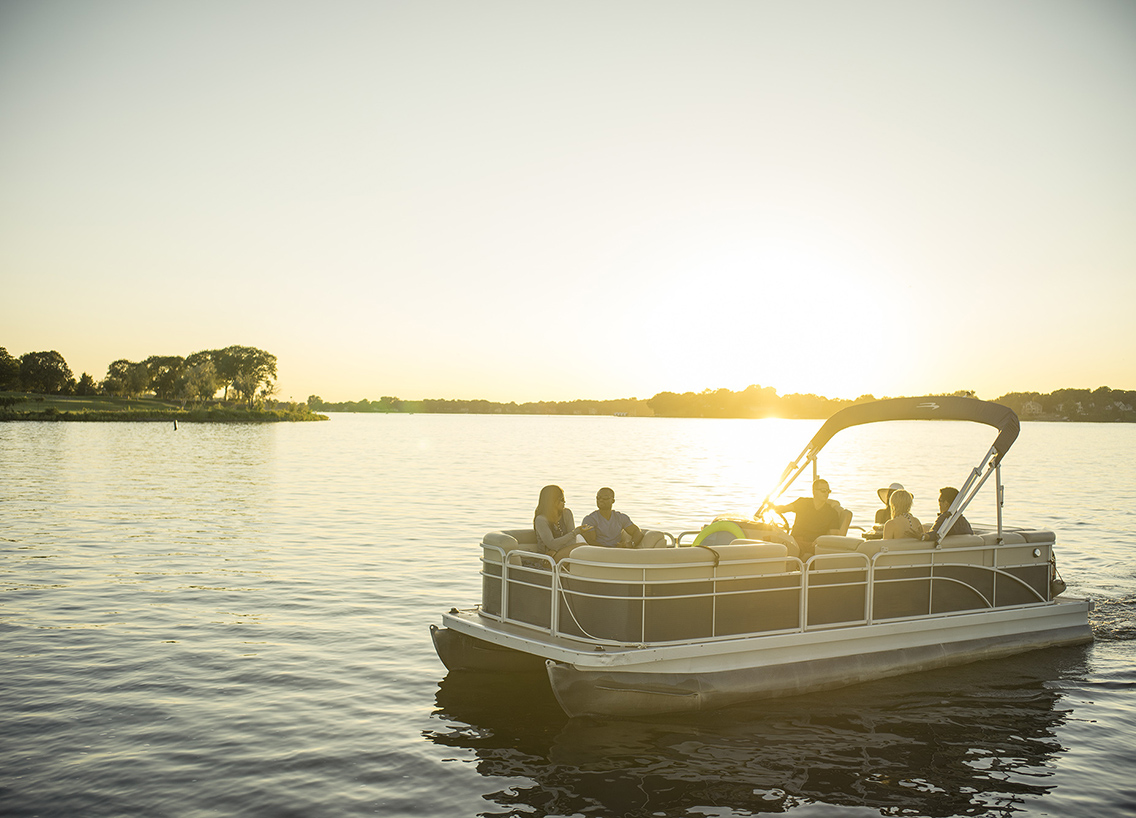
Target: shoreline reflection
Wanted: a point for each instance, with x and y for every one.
(974, 740)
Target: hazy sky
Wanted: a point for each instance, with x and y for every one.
(551, 200)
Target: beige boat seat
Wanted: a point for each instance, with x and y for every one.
(660, 564)
(524, 539)
(828, 545)
(837, 544)
(651, 539)
(516, 539)
(1008, 538)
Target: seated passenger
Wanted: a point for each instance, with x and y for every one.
(947, 496)
(902, 524)
(556, 528)
(884, 514)
(813, 516)
(610, 527)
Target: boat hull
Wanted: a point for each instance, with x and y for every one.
(461, 652)
(583, 692)
(690, 677)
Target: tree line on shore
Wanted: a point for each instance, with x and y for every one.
(1102, 404)
(246, 374)
(753, 401)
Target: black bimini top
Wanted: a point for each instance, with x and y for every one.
(1000, 417)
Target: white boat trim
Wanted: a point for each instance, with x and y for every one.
(784, 647)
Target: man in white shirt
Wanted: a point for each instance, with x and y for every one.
(609, 526)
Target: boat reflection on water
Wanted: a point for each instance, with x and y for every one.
(971, 740)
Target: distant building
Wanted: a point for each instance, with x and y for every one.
(1032, 407)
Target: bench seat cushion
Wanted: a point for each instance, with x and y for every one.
(695, 562)
(516, 539)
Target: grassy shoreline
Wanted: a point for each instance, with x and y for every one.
(105, 409)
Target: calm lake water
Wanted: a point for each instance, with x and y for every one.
(233, 620)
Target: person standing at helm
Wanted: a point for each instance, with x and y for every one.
(813, 516)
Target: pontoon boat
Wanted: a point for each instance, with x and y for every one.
(732, 612)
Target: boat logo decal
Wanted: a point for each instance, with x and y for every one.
(928, 405)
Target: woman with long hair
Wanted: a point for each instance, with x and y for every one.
(902, 524)
(555, 526)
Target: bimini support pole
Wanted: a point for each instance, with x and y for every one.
(790, 475)
(975, 481)
(1001, 494)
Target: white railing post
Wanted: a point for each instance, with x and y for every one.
(554, 600)
(504, 586)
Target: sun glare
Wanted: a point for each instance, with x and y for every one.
(797, 314)
(761, 451)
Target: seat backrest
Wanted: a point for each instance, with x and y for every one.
(833, 544)
(522, 539)
(662, 564)
(845, 521)
(734, 560)
(1006, 538)
(634, 564)
(873, 547)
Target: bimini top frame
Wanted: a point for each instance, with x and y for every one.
(1000, 417)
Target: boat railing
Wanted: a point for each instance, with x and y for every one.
(696, 603)
(622, 599)
(926, 582)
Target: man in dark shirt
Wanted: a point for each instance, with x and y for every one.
(947, 496)
(813, 516)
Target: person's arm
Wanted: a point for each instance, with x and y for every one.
(549, 544)
(634, 532)
(840, 512)
(588, 531)
(781, 509)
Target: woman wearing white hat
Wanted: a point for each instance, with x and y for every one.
(903, 524)
(884, 514)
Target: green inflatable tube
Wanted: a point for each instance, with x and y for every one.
(719, 526)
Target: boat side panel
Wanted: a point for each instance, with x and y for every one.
(633, 693)
(676, 611)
